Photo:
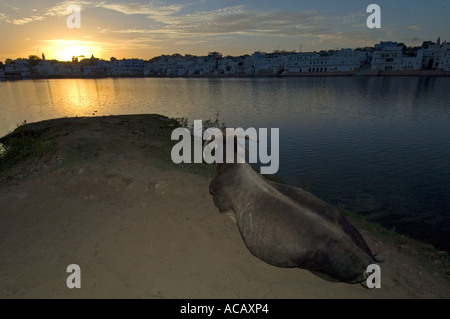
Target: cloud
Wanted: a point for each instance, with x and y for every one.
(27, 20)
(150, 22)
(60, 10)
(340, 39)
(9, 6)
(4, 17)
(150, 9)
(170, 19)
(189, 42)
(54, 11)
(415, 27)
(126, 31)
(238, 20)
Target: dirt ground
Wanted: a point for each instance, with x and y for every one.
(140, 227)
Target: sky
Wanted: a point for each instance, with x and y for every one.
(145, 29)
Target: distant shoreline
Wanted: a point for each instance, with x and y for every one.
(368, 73)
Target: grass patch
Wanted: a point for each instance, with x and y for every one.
(215, 122)
(416, 248)
(26, 141)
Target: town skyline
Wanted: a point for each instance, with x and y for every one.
(43, 56)
(384, 58)
(147, 29)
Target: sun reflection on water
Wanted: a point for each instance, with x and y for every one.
(82, 98)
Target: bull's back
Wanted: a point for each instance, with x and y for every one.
(287, 235)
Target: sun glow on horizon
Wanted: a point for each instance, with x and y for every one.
(64, 50)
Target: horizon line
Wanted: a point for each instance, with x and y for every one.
(232, 56)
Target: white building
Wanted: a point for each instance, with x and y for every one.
(229, 66)
(46, 68)
(363, 56)
(260, 63)
(64, 68)
(301, 62)
(126, 67)
(429, 55)
(388, 56)
(444, 58)
(21, 67)
(205, 65)
(344, 60)
(410, 63)
(9, 68)
(433, 56)
(154, 67)
(93, 70)
(18, 68)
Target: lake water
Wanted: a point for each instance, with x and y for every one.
(380, 146)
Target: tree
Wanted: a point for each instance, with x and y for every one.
(34, 59)
(401, 44)
(9, 61)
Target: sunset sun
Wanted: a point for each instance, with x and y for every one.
(64, 50)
